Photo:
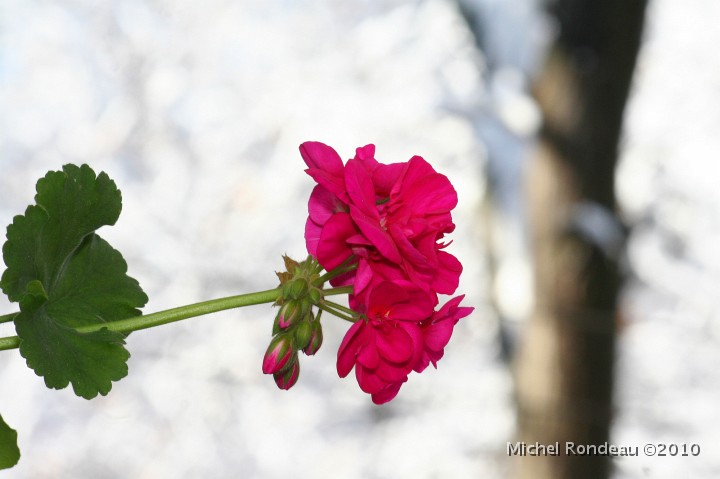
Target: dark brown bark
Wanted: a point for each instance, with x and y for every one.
(564, 369)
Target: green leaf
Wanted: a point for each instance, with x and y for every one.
(9, 452)
(66, 277)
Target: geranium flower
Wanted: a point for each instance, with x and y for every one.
(385, 345)
(399, 333)
(390, 219)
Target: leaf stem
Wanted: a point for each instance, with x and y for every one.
(10, 342)
(6, 318)
(168, 316)
(183, 312)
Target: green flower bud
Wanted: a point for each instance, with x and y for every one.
(303, 334)
(278, 354)
(287, 378)
(316, 339)
(289, 314)
(295, 289)
(314, 296)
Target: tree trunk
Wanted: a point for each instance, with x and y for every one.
(564, 369)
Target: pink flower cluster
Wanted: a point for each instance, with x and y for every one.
(385, 225)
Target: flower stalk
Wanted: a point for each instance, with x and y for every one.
(168, 316)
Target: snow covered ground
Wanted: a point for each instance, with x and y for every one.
(197, 110)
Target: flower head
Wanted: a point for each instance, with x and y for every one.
(381, 228)
(390, 218)
(400, 333)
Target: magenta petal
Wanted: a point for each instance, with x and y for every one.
(388, 393)
(363, 276)
(372, 230)
(321, 156)
(394, 344)
(448, 273)
(369, 357)
(425, 190)
(368, 381)
(416, 335)
(451, 306)
(422, 363)
(409, 251)
(403, 299)
(418, 307)
(324, 166)
(332, 247)
(354, 340)
(437, 335)
(388, 293)
(366, 152)
(360, 188)
(391, 372)
(312, 236)
(323, 204)
(386, 176)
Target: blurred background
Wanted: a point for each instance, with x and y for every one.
(590, 252)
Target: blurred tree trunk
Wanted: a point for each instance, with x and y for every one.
(564, 369)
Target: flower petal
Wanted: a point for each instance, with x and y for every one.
(424, 190)
(321, 156)
(369, 382)
(391, 372)
(312, 236)
(324, 166)
(369, 357)
(360, 188)
(437, 335)
(349, 347)
(332, 247)
(323, 204)
(388, 393)
(386, 176)
(366, 153)
(394, 344)
(370, 227)
(448, 273)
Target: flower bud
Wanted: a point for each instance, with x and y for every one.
(289, 314)
(303, 334)
(278, 354)
(314, 295)
(295, 289)
(316, 339)
(287, 378)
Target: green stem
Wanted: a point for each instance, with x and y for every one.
(326, 307)
(6, 318)
(183, 312)
(340, 307)
(171, 315)
(10, 342)
(338, 290)
(342, 269)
